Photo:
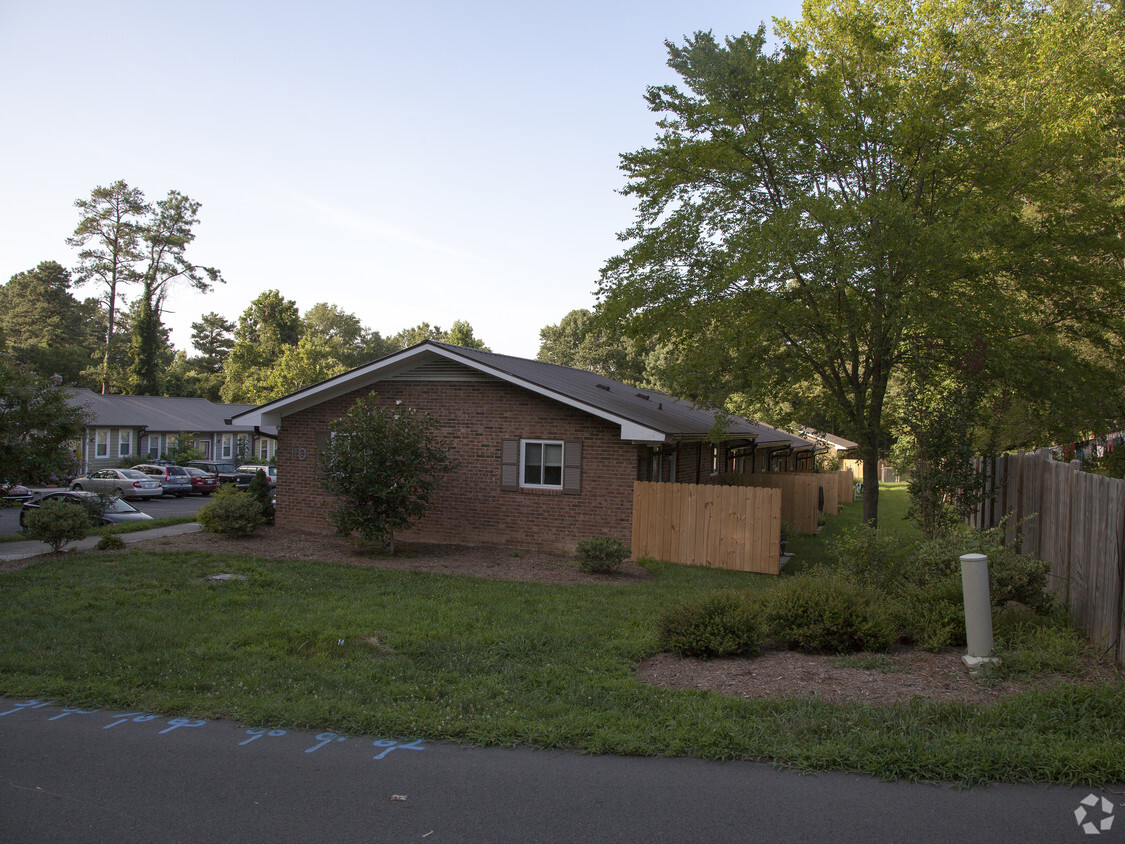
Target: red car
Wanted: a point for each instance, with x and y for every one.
(202, 482)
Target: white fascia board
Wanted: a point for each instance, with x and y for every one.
(271, 413)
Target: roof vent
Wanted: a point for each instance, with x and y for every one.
(603, 387)
(642, 396)
(660, 406)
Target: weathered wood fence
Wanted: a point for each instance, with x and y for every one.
(727, 527)
(801, 493)
(1072, 519)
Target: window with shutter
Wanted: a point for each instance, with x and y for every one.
(572, 467)
(510, 466)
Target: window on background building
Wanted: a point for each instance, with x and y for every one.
(101, 447)
(227, 446)
(154, 446)
(203, 447)
(124, 443)
(542, 464)
(266, 449)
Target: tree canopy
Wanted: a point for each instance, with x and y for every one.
(37, 427)
(895, 183)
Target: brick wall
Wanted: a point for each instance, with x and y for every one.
(470, 507)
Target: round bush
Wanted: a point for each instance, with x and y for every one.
(57, 523)
(720, 624)
(601, 554)
(823, 614)
(110, 543)
(236, 514)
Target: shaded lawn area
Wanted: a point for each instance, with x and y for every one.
(440, 657)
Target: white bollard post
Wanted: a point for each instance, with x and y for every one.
(978, 612)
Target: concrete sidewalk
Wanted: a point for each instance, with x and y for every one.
(23, 550)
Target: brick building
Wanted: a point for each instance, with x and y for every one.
(546, 455)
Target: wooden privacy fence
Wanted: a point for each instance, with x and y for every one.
(801, 493)
(727, 527)
(1072, 519)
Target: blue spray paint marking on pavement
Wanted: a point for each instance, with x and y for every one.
(140, 719)
(182, 722)
(66, 712)
(254, 733)
(326, 738)
(392, 744)
(31, 704)
(257, 734)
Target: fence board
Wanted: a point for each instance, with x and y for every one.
(1078, 526)
(720, 526)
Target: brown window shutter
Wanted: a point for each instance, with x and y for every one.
(322, 440)
(510, 465)
(572, 467)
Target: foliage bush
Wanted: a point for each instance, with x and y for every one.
(232, 514)
(718, 624)
(817, 613)
(601, 554)
(110, 543)
(383, 463)
(931, 616)
(259, 489)
(57, 523)
(871, 559)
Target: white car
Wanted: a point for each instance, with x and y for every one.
(127, 483)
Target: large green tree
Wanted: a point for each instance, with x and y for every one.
(38, 428)
(350, 341)
(266, 328)
(165, 234)
(46, 327)
(108, 236)
(896, 182)
(212, 337)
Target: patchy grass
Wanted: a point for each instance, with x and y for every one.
(384, 652)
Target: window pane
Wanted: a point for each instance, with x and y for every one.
(552, 454)
(552, 475)
(532, 463)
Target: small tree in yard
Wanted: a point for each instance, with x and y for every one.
(383, 464)
(57, 523)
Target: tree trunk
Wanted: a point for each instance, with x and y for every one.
(871, 487)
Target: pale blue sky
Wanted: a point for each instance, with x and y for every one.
(409, 162)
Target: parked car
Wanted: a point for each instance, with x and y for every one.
(252, 470)
(101, 510)
(13, 494)
(202, 482)
(174, 480)
(225, 472)
(128, 483)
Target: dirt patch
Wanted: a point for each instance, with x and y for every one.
(883, 679)
(469, 560)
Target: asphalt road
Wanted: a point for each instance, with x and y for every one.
(114, 775)
(155, 507)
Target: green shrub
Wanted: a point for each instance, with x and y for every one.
(259, 488)
(814, 613)
(1034, 644)
(931, 616)
(57, 523)
(235, 514)
(601, 554)
(865, 557)
(110, 543)
(719, 624)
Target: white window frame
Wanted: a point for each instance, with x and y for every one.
(124, 443)
(227, 446)
(154, 442)
(204, 447)
(265, 449)
(101, 443)
(523, 463)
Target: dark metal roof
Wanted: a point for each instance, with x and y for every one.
(163, 414)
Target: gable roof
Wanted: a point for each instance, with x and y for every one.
(644, 415)
(162, 414)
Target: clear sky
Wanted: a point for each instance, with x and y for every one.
(407, 161)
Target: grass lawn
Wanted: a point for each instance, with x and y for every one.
(382, 652)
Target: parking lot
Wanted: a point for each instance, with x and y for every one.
(155, 507)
